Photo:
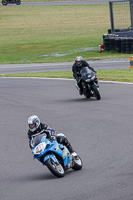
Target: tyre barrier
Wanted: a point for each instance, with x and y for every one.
(112, 44)
(128, 45)
(123, 45)
(132, 46)
(119, 44)
(106, 44)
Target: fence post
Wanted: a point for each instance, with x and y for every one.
(131, 13)
(111, 16)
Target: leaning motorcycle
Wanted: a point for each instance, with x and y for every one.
(55, 156)
(89, 83)
(5, 2)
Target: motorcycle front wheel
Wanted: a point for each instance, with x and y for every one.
(18, 2)
(96, 92)
(55, 168)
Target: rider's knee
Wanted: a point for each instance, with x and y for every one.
(61, 138)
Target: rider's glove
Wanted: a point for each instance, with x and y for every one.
(53, 133)
(30, 144)
(93, 70)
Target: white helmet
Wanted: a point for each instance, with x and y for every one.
(33, 122)
(78, 60)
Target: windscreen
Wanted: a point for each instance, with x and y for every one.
(37, 139)
(85, 70)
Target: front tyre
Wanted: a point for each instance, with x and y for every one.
(18, 2)
(96, 92)
(55, 168)
(77, 163)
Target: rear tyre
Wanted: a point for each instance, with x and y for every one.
(96, 92)
(55, 168)
(77, 163)
(4, 2)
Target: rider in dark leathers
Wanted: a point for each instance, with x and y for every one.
(36, 127)
(77, 66)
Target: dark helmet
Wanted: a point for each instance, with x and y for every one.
(78, 60)
(34, 123)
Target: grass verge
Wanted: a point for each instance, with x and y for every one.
(40, 34)
(122, 75)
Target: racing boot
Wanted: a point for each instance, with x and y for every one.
(81, 91)
(71, 150)
(74, 154)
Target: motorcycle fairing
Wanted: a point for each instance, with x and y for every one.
(51, 148)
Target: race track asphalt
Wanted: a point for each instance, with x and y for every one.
(43, 67)
(100, 131)
(45, 3)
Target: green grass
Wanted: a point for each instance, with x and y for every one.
(122, 75)
(36, 34)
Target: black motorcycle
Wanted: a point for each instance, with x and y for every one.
(5, 2)
(89, 84)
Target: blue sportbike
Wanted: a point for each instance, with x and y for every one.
(54, 155)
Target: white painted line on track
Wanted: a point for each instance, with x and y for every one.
(65, 79)
(116, 82)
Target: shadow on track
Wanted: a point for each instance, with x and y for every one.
(79, 100)
(41, 176)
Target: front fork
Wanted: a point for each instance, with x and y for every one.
(77, 87)
(50, 156)
(87, 89)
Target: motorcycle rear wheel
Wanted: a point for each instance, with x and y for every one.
(56, 169)
(96, 92)
(4, 2)
(78, 164)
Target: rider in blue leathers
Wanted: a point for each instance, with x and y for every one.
(36, 127)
